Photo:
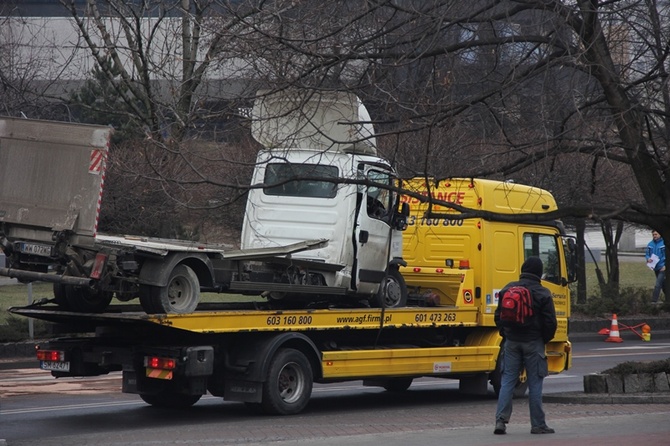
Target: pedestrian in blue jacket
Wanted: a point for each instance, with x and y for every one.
(657, 247)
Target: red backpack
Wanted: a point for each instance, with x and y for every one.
(516, 307)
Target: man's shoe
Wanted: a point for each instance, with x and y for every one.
(542, 430)
(500, 428)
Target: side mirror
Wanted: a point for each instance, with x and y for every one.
(571, 260)
(400, 218)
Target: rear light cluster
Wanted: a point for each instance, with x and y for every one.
(99, 266)
(159, 368)
(156, 362)
(50, 355)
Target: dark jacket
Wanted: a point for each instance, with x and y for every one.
(543, 324)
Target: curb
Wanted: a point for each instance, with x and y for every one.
(606, 398)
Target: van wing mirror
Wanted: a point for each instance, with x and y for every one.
(400, 218)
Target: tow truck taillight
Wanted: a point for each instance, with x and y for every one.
(50, 355)
(159, 368)
(156, 362)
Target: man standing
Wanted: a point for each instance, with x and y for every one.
(524, 346)
(656, 252)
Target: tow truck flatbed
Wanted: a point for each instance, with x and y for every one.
(255, 320)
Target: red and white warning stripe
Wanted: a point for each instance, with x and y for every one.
(96, 163)
(98, 166)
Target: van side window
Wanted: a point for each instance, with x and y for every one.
(378, 199)
(278, 177)
(544, 246)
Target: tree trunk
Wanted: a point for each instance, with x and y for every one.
(581, 261)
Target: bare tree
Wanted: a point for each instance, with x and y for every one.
(569, 96)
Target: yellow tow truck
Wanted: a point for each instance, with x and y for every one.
(269, 357)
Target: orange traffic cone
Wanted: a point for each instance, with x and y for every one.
(614, 331)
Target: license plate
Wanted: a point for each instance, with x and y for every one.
(55, 365)
(36, 249)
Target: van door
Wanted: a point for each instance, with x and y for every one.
(372, 233)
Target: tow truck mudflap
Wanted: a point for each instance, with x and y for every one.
(244, 391)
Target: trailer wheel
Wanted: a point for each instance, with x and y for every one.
(288, 386)
(398, 384)
(87, 300)
(392, 291)
(168, 400)
(180, 295)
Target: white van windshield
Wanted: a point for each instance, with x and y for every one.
(279, 178)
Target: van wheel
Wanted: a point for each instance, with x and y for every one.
(392, 291)
(288, 386)
(180, 295)
(170, 400)
(59, 296)
(86, 300)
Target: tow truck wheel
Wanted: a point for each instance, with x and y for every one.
(288, 386)
(86, 300)
(495, 378)
(180, 295)
(392, 291)
(398, 384)
(169, 400)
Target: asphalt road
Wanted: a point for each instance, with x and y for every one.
(37, 409)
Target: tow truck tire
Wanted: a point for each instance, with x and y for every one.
(495, 378)
(392, 291)
(288, 386)
(169, 400)
(87, 300)
(398, 384)
(180, 295)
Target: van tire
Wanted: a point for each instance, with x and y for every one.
(180, 295)
(392, 291)
(60, 298)
(87, 300)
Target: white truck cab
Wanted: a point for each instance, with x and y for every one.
(319, 177)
